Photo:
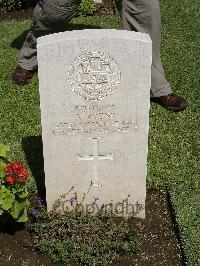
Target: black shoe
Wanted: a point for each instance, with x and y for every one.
(22, 76)
(171, 102)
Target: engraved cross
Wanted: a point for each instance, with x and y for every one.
(95, 158)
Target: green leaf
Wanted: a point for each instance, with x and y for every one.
(1, 211)
(19, 189)
(23, 194)
(2, 194)
(6, 199)
(2, 165)
(18, 210)
(23, 216)
(4, 150)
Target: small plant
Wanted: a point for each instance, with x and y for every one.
(88, 8)
(13, 189)
(83, 238)
(80, 236)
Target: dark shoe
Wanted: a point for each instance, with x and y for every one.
(22, 76)
(171, 102)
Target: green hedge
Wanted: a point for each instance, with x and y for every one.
(87, 7)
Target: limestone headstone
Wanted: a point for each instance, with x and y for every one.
(94, 92)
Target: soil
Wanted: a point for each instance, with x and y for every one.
(159, 240)
(27, 14)
(17, 15)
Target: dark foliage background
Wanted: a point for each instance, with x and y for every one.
(8, 5)
(87, 7)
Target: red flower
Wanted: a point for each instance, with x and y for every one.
(16, 172)
(10, 180)
(23, 175)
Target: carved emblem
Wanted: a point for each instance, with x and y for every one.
(94, 76)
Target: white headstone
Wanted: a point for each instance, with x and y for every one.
(94, 92)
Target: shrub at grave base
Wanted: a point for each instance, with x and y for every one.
(83, 238)
(13, 190)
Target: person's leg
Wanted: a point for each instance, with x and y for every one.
(144, 16)
(49, 17)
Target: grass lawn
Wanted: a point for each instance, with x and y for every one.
(174, 137)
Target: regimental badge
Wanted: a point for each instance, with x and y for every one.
(94, 76)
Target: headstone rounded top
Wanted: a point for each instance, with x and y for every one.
(92, 33)
(94, 76)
